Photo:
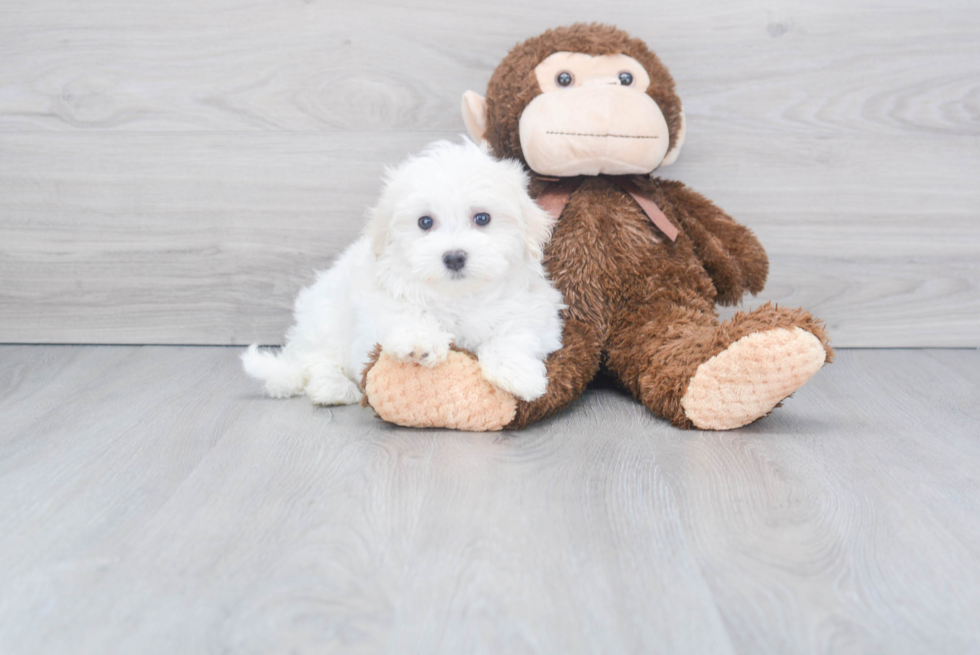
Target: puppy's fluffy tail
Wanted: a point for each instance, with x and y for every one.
(282, 377)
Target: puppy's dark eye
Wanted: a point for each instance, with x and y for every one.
(481, 219)
(564, 78)
(625, 78)
(426, 222)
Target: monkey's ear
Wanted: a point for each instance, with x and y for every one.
(671, 155)
(475, 115)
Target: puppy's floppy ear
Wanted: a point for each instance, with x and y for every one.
(379, 217)
(537, 227)
(379, 223)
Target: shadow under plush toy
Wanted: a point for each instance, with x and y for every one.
(641, 261)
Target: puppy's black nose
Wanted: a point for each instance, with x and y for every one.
(454, 260)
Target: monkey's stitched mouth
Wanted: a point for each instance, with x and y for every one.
(615, 136)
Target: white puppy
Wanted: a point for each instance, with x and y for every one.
(451, 254)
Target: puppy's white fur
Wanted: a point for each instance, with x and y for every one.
(393, 287)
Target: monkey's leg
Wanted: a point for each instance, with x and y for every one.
(569, 371)
(451, 395)
(685, 366)
(455, 395)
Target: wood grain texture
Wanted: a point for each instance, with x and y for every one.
(302, 66)
(151, 501)
(173, 173)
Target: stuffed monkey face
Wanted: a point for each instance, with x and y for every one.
(581, 113)
(593, 117)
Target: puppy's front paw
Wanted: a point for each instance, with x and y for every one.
(523, 377)
(426, 349)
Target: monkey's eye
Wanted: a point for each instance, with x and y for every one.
(426, 222)
(625, 78)
(564, 78)
(481, 219)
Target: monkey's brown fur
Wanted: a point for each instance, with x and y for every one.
(639, 305)
(513, 84)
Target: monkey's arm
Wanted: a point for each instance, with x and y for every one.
(729, 252)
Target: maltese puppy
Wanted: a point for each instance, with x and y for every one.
(451, 254)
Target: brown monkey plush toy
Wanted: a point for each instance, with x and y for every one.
(641, 261)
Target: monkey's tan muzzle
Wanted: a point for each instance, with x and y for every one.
(594, 129)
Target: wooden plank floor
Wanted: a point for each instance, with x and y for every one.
(151, 501)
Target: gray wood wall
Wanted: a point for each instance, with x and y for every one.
(173, 172)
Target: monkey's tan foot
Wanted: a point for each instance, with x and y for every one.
(750, 377)
(453, 394)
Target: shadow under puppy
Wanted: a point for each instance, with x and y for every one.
(451, 255)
